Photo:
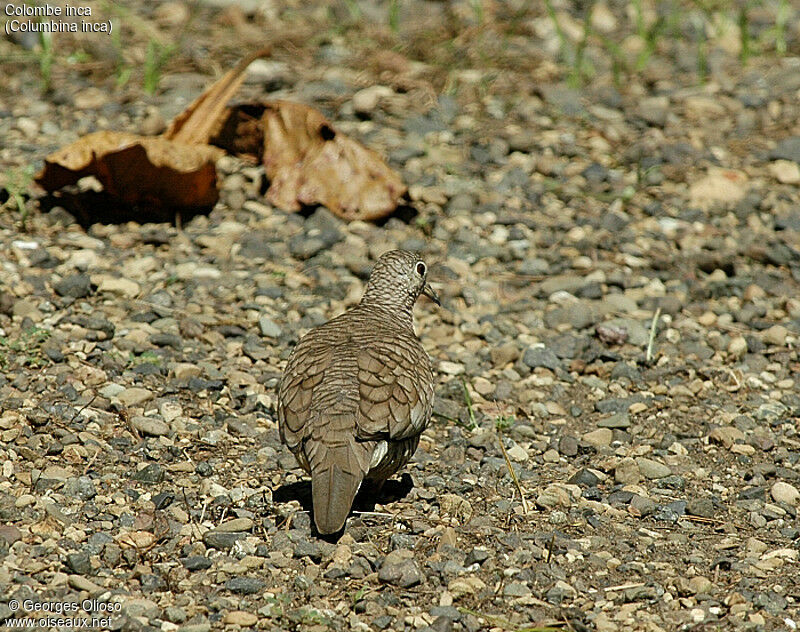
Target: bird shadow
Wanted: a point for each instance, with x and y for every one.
(368, 496)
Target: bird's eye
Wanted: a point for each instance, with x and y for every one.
(421, 269)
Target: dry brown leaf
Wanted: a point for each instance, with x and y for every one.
(198, 122)
(137, 169)
(309, 162)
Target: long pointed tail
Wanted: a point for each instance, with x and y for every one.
(333, 492)
(336, 474)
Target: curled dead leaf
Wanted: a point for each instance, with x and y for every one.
(309, 162)
(136, 169)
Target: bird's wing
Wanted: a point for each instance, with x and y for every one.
(395, 382)
(304, 373)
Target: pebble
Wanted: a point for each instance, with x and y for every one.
(783, 492)
(124, 287)
(652, 469)
(618, 420)
(241, 618)
(538, 356)
(134, 396)
(627, 472)
(776, 335)
(599, 438)
(785, 171)
(719, 186)
(269, 327)
(245, 585)
(150, 426)
(366, 101)
(76, 285)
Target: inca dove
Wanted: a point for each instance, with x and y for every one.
(358, 391)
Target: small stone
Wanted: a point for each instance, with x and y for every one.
(170, 411)
(518, 454)
(554, 495)
(236, 524)
(785, 171)
(618, 420)
(537, 356)
(241, 618)
(123, 287)
(516, 589)
(365, 101)
(245, 585)
(599, 438)
(152, 473)
(703, 507)
(222, 540)
(134, 396)
(81, 487)
(652, 469)
(175, 614)
(787, 149)
(79, 563)
(699, 584)
(627, 472)
(451, 368)
(654, 110)
(568, 445)
(78, 582)
(404, 574)
(504, 354)
(269, 328)
(776, 335)
(584, 478)
(782, 492)
(642, 505)
(75, 285)
(726, 435)
(9, 534)
(737, 347)
(150, 426)
(478, 555)
(186, 371)
(722, 186)
(196, 563)
(483, 386)
(463, 586)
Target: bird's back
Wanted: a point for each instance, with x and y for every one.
(355, 395)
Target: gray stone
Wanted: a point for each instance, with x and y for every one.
(404, 574)
(76, 285)
(245, 585)
(269, 327)
(703, 507)
(787, 149)
(652, 469)
(150, 426)
(537, 356)
(79, 563)
(618, 420)
(222, 540)
(645, 506)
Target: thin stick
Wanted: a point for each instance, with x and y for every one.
(513, 474)
(649, 355)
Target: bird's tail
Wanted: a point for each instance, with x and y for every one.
(336, 474)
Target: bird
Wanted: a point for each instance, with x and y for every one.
(357, 391)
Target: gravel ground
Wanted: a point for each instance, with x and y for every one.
(619, 265)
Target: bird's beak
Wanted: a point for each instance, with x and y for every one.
(427, 290)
